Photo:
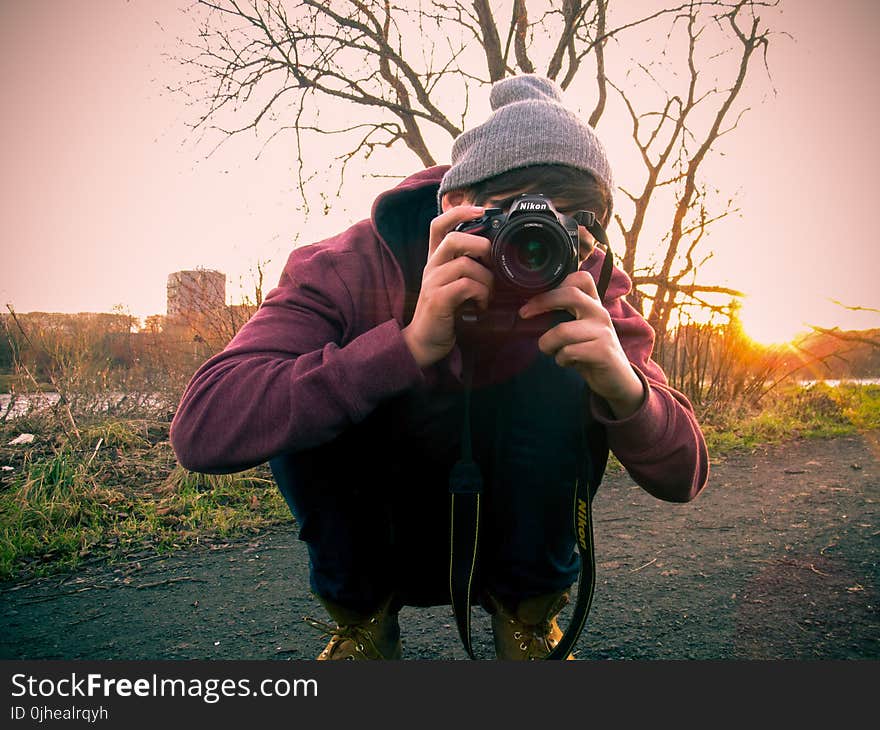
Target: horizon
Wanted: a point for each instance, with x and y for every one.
(141, 321)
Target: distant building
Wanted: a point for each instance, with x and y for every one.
(195, 292)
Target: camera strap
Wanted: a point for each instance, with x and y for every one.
(466, 487)
(588, 221)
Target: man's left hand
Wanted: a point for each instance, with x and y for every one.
(589, 344)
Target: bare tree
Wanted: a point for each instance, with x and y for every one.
(673, 150)
(377, 74)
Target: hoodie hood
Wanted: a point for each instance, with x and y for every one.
(419, 181)
(402, 217)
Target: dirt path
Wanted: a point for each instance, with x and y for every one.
(777, 559)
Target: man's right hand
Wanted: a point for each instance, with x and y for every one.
(452, 276)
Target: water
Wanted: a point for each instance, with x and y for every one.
(834, 383)
(25, 403)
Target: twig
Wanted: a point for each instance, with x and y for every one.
(636, 570)
(168, 581)
(818, 572)
(95, 452)
(130, 563)
(53, 596)
(156, 584)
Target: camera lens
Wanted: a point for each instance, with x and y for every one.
(532, 254)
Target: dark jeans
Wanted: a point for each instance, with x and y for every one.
(373, 506)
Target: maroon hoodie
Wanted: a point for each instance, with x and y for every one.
(325, 349)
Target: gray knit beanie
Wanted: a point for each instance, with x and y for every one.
(529, 126)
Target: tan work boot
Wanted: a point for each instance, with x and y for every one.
(528, 630)
(356, 636)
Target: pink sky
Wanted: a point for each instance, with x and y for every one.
(103, 195)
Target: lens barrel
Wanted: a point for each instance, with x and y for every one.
(533, 253)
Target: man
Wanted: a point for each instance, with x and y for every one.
(349, 380)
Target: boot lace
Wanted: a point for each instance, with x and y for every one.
(355, 639)
(535, 641)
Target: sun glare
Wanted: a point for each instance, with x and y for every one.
(770, 333)
(770, 326)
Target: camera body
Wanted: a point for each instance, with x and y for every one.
(533, 246)
(533, 249)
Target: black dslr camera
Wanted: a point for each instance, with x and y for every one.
(534, 248)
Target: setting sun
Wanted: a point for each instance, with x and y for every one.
(768, 323)
(770, 327)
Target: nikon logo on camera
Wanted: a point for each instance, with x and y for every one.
(582, 524)
(532, 205)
